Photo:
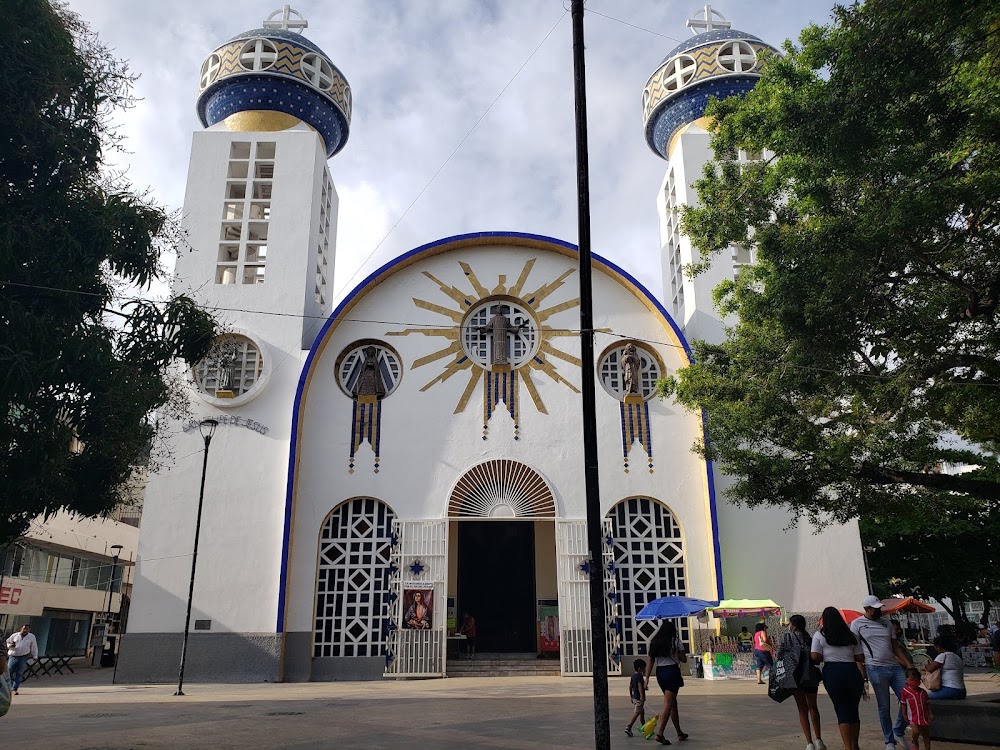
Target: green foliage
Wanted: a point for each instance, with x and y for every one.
(76, 359)
(863, 368)
(954, 554)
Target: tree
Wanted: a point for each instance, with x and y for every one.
(81, 365)
(861, 374)
(954, 556)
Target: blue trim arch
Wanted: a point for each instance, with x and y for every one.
(433, 248)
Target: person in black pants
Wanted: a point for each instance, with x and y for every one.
(838, 649)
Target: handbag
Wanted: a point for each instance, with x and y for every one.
(775, 691)
(932, 680)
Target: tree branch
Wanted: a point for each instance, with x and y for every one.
(949, 482)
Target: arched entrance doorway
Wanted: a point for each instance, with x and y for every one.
(501, 521)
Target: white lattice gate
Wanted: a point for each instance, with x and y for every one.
(575, 634)
(417, 637)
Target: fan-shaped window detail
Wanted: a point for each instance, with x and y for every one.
(210, 69)
(649, 563)
(678, 72)
(258, 54)
(737, 57)
(317, 70)
(501, 489)
(352, 586)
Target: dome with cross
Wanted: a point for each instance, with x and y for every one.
(272, 78)
(717, 62)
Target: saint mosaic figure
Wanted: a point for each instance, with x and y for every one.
(369, 382)
(630, 365)
(499, 327)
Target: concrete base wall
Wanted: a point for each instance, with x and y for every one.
(975, 720)
(336, 668)
(211, 657)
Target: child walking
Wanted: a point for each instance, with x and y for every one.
(917, 709)
(637, 692)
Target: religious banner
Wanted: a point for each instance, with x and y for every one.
(418, 608)
(548, 620)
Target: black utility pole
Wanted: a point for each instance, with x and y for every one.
(207, 428)
(595, 532)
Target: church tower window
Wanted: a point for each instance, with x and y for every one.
(231, 369)
(243, 238)
(616, 370)
(500, 329)
(258, 54)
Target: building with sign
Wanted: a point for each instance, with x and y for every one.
(414, 453)
(66, 575)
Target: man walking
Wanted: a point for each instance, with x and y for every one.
(885, 658)
(20, 646)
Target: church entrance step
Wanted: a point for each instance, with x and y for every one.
(498, 666)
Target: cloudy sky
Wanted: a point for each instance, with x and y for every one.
(422, 74)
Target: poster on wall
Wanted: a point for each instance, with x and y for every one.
(418, 609)
(548, 620)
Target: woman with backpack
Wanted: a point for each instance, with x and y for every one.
(794, 650)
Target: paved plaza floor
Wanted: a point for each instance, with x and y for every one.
(86, 711)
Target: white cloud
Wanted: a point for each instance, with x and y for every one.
(422, 72)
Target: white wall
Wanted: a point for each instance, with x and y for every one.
(243, 517)
(426, 447)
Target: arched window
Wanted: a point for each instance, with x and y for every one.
(649, 563)
(352, 586)
(501, 488)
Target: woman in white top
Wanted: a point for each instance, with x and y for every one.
(838, 649)
(952, 671)
(666, 653)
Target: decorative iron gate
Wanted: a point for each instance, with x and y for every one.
(575, 633)
(417, 638)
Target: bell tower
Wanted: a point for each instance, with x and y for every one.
(260, 210)
(717, 62)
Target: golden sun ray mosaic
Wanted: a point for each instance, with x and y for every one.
(500, 337)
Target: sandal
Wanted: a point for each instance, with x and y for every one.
(681, 736)
(661, 739)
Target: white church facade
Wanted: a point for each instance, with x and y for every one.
(414, 453)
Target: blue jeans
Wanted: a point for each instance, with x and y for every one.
(16, 665)
(882, 679)
(947, 694)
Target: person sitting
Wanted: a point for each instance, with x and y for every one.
(952, 670)
(744, 641)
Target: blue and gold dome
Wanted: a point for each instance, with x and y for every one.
(717, 63)
(272, 78)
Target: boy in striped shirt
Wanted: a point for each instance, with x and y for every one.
(917, 709)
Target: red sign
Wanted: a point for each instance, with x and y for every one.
(10, 595)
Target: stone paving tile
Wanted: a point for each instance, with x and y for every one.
(84, 712)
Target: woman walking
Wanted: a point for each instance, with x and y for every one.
(762, 651)
(666, 653)
(838, 649)
(796, 642)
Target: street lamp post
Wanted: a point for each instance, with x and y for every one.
(868, 570)
(116, 550)
(207, 429)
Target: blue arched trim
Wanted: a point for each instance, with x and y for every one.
(361, 288)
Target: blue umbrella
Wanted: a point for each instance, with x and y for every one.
(673, 606)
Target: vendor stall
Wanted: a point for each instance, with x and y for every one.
(723, 657)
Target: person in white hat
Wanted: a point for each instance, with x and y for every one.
(885, 659)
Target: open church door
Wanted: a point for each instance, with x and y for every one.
(574, 599)
(418, 576)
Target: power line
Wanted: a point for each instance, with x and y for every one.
(443, 326)
(634, 26)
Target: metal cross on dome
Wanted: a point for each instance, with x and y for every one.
(698, 25)
(286, 22)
